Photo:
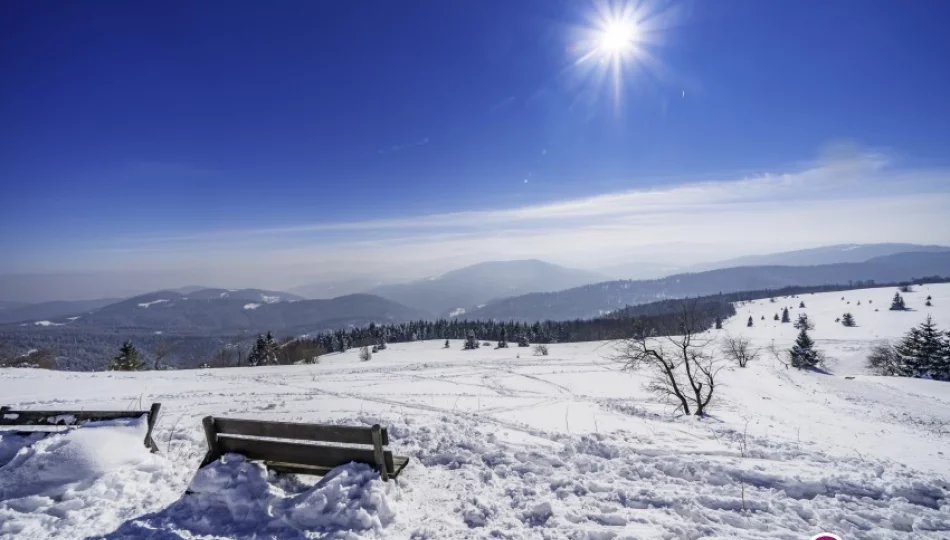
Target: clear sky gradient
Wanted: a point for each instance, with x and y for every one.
(245, 140)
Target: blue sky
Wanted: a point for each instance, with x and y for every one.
(203, 135)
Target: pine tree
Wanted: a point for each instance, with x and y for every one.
(264, 352)
(897, 304)
(803, 353)
(923, 352)
(927, 303)
(446, 344)
(785, 317)
(718, 323)
(803, 323)
(802, 304)
(128, 359)
(470, 341)
(503, 340)
(749, 324)
(847, 320)
(776, 317)
(523, 341)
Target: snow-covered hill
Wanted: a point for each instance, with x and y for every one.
(505, 444)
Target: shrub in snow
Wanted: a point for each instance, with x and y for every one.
(801, 304)
(776, 317)
(803, 353)
(365, 355)
(739, 349)
(128, 359)
(897, 304)
(470, 341)
(847, 320)
(749, 324)
(927, 303)
(540, 350)
(523, 341)
(446, 346)
(906, 288)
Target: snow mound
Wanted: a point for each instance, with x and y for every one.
(153, 302)
(234, 498)
(90, 478)
(252, 305)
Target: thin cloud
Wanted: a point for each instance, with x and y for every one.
(824, 181)
(398, 147)
(503, 105)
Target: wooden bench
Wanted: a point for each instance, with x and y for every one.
(37, 420)
(282, 447)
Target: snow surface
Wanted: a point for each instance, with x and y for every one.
(269, 299)
(47, 323)
(504, 444)
(153, 302)
(252, 305)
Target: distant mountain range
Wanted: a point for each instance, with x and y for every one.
(50, 310)
(223, 311)
(521, 290)
(843, 253)
(455, 292)
(601, 298)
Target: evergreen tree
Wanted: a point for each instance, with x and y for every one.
(923, 352)
(785, 317)
(523, 341)
(264, 352)
(776, 317)
(803, 353)
(927, 303)
(897, 304)
(470, 341)
(802, 304)
(749, 324)
(446, 344)
(128, 359)
(718, 323)
(803, 323)
(847, 320)
(503, 340)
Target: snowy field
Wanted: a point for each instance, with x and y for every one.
(504, 444)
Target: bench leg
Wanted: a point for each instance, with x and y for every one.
(378, 452)
(152, 419)
(211, 435)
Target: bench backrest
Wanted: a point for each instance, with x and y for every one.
(282, 444)
(43, 419)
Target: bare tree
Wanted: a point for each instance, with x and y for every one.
(739, 349)
(163, 349)
(676, 358)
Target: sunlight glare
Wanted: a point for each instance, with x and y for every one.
(618, 37)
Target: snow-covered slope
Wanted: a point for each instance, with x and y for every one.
(505, 444)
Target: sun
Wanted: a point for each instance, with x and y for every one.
(616, 44)
(618, 37)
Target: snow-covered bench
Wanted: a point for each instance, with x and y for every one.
(289, 447)
(38, 421)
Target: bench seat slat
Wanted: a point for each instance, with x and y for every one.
(298, 431)
(64, 418)
(296, 453)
